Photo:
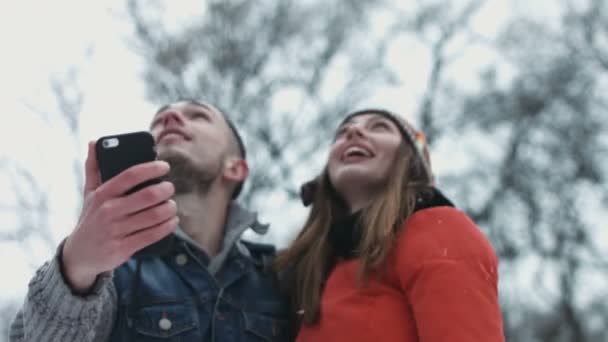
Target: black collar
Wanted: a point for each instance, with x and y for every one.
(345, 233)
(430, 199)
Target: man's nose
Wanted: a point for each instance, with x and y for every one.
(172, 117)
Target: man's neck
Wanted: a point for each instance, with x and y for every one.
(202, 217)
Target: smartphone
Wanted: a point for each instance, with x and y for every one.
(116, 153)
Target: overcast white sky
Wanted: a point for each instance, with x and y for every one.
(39, 38)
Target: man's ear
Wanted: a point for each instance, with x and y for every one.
(235, 169)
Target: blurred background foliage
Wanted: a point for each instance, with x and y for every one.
(519, 141)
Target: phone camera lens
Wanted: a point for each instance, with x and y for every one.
(109, 143)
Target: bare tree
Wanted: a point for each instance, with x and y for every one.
(248, 56)
(31, 198)
(549, 124)
(438, 24)
(30, 204)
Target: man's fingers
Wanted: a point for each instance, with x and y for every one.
(92, 179)
(147, 197)
(126, 180)
(148, 236)
(149, 217)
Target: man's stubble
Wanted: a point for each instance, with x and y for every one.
(186, 176)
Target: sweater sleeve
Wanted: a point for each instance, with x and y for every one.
(51, 312)
(448, 271)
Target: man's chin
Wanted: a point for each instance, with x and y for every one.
(184, 174)
(169, 153)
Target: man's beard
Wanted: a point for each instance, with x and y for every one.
(186, 176)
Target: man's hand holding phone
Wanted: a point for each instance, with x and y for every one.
(113, 226)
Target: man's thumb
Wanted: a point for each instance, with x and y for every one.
(92, 180)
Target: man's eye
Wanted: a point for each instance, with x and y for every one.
(155, 123)
(200, 115)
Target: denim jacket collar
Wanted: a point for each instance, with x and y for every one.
(237, 221)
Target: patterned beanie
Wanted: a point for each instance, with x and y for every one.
(411, 136)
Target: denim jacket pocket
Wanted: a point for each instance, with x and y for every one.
(265, 328)
(166, 321)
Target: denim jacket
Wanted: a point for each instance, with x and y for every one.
(177, 298)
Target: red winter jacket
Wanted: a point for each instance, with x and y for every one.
(440, 285)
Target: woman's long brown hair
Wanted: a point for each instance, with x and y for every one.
(310, 257)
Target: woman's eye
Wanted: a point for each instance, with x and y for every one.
(340, 132)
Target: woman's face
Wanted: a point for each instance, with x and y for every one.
(362, 155)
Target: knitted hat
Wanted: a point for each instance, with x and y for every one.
(411, 136)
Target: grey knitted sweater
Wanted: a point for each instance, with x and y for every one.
(51, 311)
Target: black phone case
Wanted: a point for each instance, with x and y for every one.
(132, 149)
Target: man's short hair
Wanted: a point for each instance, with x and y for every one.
(240, 145)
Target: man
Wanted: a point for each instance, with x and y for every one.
(211, 287)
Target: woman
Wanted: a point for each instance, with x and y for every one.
(384, 256)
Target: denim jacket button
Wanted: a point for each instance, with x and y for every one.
(181, 259)
(164, 324)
